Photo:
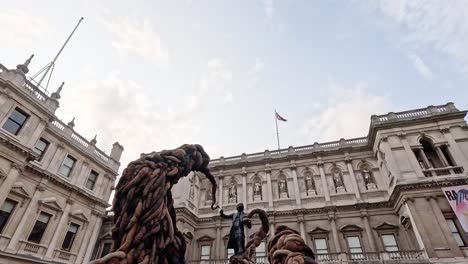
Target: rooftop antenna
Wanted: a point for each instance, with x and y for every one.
(50, 66)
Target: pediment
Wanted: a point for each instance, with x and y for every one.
(106, 236)
(386, 226)
(226, 237)
(18, 189)
(78, 214)
(205, 238)
(318, 230)
(351, 228)
(51, 203)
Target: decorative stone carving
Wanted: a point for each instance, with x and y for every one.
(209, 196)
(283, 188)
(338, 179)
(257, 191)
(367, 176)
(232, 192)
(309, 184)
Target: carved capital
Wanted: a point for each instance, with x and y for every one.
(17, 166)
(41, 187)
(431, 197)
(445, 130)
(384, 138)
(402, 135)
(70, 201)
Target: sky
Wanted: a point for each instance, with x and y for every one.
(154, 75)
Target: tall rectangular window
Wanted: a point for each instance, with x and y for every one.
(106, 249)
(205, 252)
(230, 252)
(456, 234)
(92, 178)
(70, 236)
(354, 244)
(16, 121)
(67, 166)
(5, 212)
(39, 228)
(321, 245)
(260, 251)
(41, 147)
(389, 242)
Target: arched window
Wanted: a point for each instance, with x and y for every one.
(232, 191)
(431, 156)
(309, 183)
(257, 190)
(283, 187)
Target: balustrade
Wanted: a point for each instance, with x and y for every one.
(32, 248)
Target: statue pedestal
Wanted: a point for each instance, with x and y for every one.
(311, 192)
(340, 189)
(371, 186)
(208, 202)
(257, 198)
(283, 195)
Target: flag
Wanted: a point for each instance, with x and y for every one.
(280, 118)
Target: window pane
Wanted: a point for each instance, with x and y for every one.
(18, 117)
(69, 161)
(320, 243)
(322, 251)
(64, 170)
(355, 250)
(459, 239)
(40, 147)
(230, 252)
(205, 252)
(11, 127)
(452, 225)
(260, 250)
(70, 236)
(391, 248)
(39, 228)
(5, 212)
(91, 180)
(106, 249)
(389, 240)
(353, 241)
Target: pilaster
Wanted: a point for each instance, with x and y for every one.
(10, 179)
(370, 237)
(349, 164)
(454, 148)
(323, 179)
(269, 187)
(410, 154)
(59, 230)
(297, 193)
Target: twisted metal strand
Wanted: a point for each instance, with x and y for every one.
(144, 230)
(288, 247)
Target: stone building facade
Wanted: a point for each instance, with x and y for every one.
(375, 199)
(54, 184)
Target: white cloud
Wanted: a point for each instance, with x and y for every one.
(20, 28)
(440, 25)
(269, 8)
(215, 82)
(257, 67)
(346, 114)
(137, 37)
(420, 66)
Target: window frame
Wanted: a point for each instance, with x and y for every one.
(10, 216)
(21, 111)
(360, 242)
(72, 242)
(45, 229)
(95, 180)
(455, 222)
(45, 149)
(201, 252)
(71, 168)
(314, 244)
(395, 236)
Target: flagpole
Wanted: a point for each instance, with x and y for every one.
(277, 133)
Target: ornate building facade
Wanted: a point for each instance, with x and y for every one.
(54, 184)
(375, 199)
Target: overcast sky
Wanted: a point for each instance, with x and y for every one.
(156, 74)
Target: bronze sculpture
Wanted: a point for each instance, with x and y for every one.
(236, 234)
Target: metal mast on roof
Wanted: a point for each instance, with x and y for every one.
(50, 66)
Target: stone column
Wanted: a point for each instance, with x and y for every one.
(56, 158)
(92, 241)
(336, 241)
(220, 190)
(424, 157)
(10, 179)
(28, 215)
(244, 190)
(368, 228)
(411, 157)
(269, 187)
(218, 241)
(353, 178)
(444, 227)
(454, 148)
(59, 230)
(300, 220)
(324, 181)
(417, 222)
(297, 193)
(84, 244)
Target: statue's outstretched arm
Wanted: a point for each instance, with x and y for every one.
(221, 212)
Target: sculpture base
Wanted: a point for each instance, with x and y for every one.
(311, 192)
(257, 198)
(284, 196)
(340, 189)
(371, 186)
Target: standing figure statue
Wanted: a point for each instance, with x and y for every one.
(236, 235)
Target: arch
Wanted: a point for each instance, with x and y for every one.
(351, 228)
(335, 166)
(255, 176)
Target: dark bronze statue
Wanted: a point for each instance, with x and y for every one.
(236, 235)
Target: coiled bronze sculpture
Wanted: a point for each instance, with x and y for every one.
(288, 247)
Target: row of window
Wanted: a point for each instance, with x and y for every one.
(16, 121)
(354, 244)
(39, 227)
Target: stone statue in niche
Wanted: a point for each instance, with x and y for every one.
(310, 185)
(192, 192)
(283, 188)
(257, 191)
(232, 194)
(338, 179)
(209, 196)
(367, 175)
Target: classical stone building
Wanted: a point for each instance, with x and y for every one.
(54, 184)
(375, 199)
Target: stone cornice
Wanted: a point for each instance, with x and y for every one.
(16, 146)
(66, 185)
